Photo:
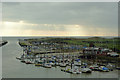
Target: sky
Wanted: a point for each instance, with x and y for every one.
(59, 19)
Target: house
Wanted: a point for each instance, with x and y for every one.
(96, 50)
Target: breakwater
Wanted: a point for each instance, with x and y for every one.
(3, 43)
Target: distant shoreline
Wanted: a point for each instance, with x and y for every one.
(60, 36)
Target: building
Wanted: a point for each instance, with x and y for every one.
(96, 50)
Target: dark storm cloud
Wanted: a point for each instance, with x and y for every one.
(62, 13)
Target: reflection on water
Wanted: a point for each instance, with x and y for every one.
(12, 68)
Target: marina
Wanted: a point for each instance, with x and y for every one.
(60, 40)
(67, 65)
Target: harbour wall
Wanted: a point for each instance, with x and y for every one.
(3, 43)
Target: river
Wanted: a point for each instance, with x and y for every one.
(13, 68)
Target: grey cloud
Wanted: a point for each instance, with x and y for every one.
(43, 27)
(87, 14)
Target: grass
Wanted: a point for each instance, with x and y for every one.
(112, 43)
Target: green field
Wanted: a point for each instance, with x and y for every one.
(111, 43)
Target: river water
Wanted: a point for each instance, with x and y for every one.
(13, 68)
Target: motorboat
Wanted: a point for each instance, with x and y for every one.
(77, 62)
(63, 69)
(47, 65)
(94, 67)
(51, 63)
(39, 64)
(73, 71)
(28, 62)
(18, 58)
(86, 70)
(67, 69)
(23, 60)
(78, 71)
(57, 64)
(62, 64)
(104, 69)
(118, 68)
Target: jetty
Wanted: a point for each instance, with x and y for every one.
(3, 43)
